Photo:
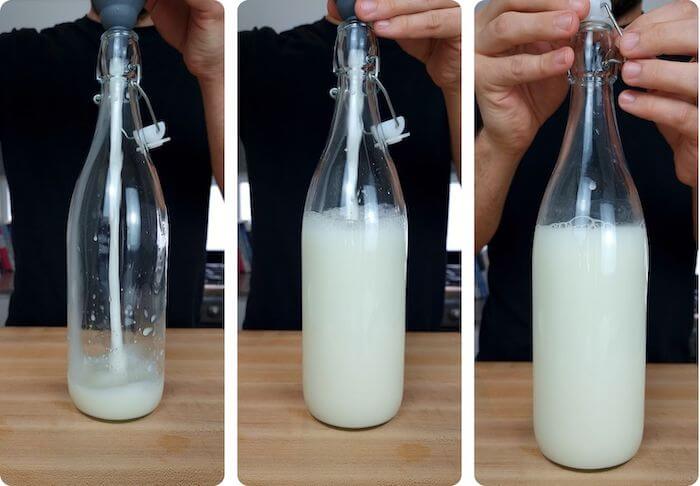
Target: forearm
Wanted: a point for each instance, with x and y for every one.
(494, 170)
(454, 109)
(213, 98)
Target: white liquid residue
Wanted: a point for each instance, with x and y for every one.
(589, 342)
(354, 290)
(356, 60)
(99, 392)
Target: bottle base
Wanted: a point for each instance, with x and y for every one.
(114, 420)
(352, 425)
(350, 421)
(118, 403)
(593, 468)
(590, 464)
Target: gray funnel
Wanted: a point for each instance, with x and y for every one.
(346, 9)
(119, 13)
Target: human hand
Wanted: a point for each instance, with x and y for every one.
(522, 55)
(671, 98)
(196, 29)
(429, 30)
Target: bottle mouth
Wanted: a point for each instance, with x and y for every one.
(116, 32)
(119, 55)
(355, 47)
(596, 57)
(594, 25)
(353, 22)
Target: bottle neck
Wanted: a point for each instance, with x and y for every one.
(118, 68)
(116, 94)
(119, 117)
(357, 91)
(354, 153)
(355, 58)
(592, 122)
(592, 118)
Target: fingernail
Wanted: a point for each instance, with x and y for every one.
(627, 98)
(382, 24)
(629, 40)
(631, 69)
(564, 21)
(368, 6)
(561, 57)
(577, 5)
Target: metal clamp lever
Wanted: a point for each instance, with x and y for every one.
(619, 31)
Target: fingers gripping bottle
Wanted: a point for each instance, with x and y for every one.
(589, 276)
(354, 247)
(117, 244)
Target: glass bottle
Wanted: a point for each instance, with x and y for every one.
(354, 247)
(589, 271)
(117, 242)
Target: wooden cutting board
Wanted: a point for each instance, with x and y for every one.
(506, 452)
(45, 440)
(280, 443)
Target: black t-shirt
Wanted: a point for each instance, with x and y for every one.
(285, 117)
(506, 328)
(47, 121)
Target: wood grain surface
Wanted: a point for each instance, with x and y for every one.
(280, 443)
(507, 454)
(45, 440)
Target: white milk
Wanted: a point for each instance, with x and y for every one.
(113, 193)
(589, 341)
(99, 392)
(353, 296)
